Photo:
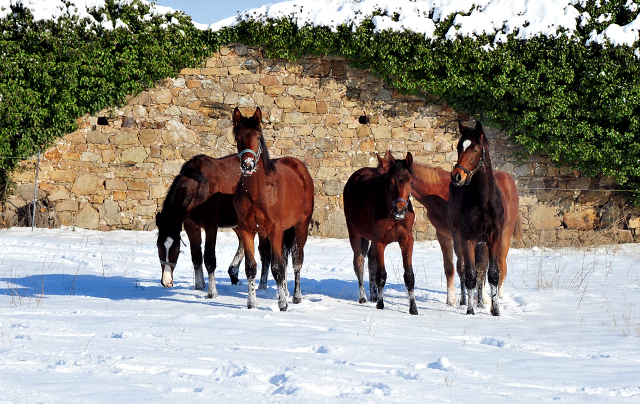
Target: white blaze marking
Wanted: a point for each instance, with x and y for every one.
(466, 144)
(167, 276)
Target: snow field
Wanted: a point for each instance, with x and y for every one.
(83, 318)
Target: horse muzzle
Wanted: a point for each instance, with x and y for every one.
(399, 213)
(167, 275)
(248, 166)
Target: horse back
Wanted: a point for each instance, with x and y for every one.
(222, 174)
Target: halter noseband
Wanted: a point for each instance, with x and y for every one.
(172, 265)
(475, 170)
(256, 157)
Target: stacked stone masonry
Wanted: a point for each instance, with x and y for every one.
(114, 172)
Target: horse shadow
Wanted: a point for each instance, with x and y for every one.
(119, 288)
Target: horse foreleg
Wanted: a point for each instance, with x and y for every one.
(360, 246)
(210, 260)
(446, 246)
(381, 272)
(406, 247)
(264, 248)
(371, 263)
(234, 268)
(482, 261)
(195, 241)
(493, 277)
(471, 275)
(502, 261)
(250, 266)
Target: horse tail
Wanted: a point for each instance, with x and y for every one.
(288, 243)
(517, 229)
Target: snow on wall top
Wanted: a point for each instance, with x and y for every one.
(528, 18)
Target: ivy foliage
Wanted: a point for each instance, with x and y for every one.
(55, 71)
(577, 103)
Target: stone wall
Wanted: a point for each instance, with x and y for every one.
(115, 171)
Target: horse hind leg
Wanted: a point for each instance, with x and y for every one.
(195, 241)
(373, 287)
(264, 248)
(461, 274)
(493, 277)
(446, 246)
(210, 261)
(360, 246)
(297, 240)
(234, 268)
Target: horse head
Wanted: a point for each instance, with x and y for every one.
(471, 154)
(168, 247)
(250, 142)
(400, 176)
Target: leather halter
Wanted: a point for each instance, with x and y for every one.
(256, 157)
(475, 170)
(172, 265)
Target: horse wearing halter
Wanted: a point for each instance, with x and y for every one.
(256, 157)
(475, 170)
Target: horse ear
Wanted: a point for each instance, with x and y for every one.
(237, 117)
(461, 127)
(390, 158)
(380, 161)
(409, 160)
(479, 127)
(257, 116)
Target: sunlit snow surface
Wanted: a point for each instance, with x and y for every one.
(526, 18)
(83, 318)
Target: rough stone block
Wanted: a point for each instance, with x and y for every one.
(87, 184)
(543, 217)
(67, 205)
(88, 218)
(585, 219)
(133, 155)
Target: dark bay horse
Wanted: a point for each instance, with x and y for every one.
(274, 198)
(378, 209)
(201, 197)
(483, 211)
(431, 188)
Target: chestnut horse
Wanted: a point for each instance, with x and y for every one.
(482, 216)
(431, 188)
(275, 199)
(201, 197)
(378, 209)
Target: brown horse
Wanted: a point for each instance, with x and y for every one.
(201, 197)
(431, 188)
(377, 207)
(275, 199)
(482, 216)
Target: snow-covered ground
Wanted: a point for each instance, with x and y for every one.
(83, 318)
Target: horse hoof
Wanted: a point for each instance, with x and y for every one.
(495, 311)
(262, 286)
(213, 296)
(470, 310)
(200, 286)
(362, 300)
(373, 298)
(234, 281)
(413, 309)
(380, 305)
(297, 299)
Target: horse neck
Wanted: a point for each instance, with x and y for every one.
(484, 182)
(256, 183)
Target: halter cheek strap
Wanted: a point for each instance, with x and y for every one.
(475, 170)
